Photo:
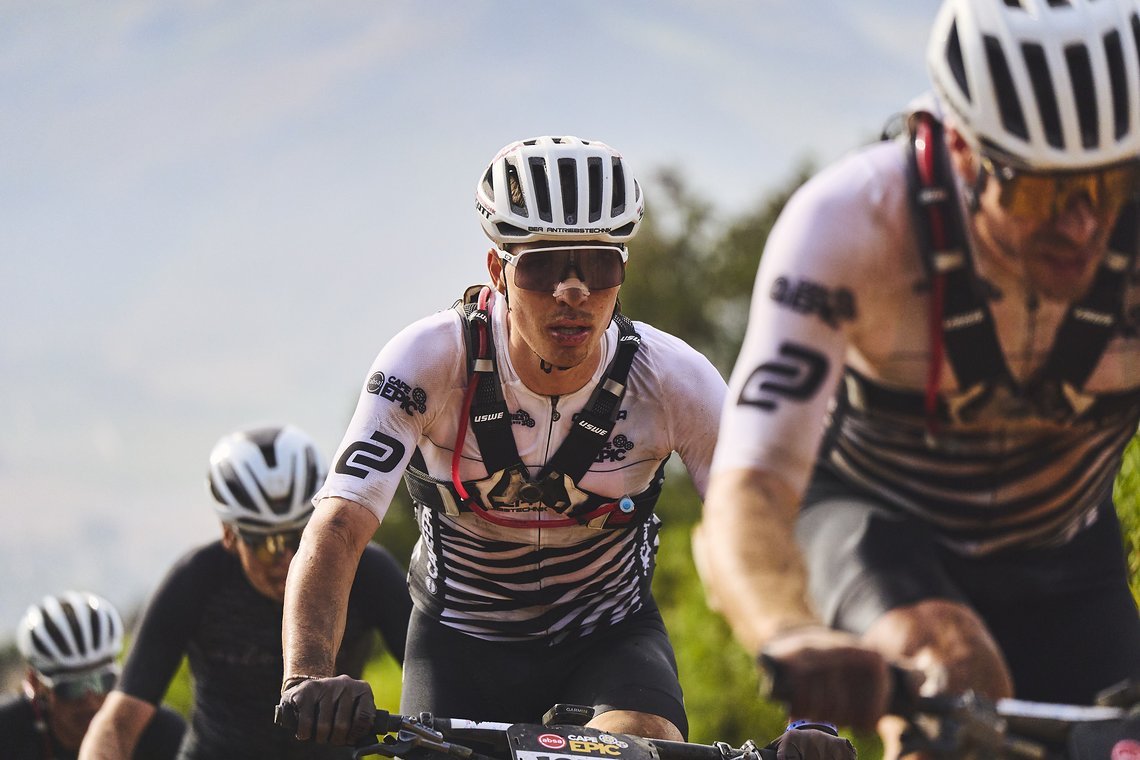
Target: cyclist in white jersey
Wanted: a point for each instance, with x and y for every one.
(940, 373)
(532, 428)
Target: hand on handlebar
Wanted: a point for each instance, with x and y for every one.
(811, 744)
(828, 675)
(331, 710)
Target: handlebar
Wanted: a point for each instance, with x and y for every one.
(426, 735)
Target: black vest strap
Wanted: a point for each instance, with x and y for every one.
(594, 424)
(972, 346)
(967, 325)
(491, 420)
(1090, 325)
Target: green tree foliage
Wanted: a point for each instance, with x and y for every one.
(691, 271)
(1126, 494)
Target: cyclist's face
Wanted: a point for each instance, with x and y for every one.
(562, 325)
(266, 571)
(69, 717)
(1051, 234)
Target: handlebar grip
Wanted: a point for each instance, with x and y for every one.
(903, 698)
(285, 716)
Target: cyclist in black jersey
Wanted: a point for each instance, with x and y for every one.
(70, 643)
(940, 374)
(220, 606)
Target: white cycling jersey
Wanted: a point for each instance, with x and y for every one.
(841, 302)
(514, 583)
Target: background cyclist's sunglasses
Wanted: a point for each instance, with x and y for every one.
(73, 687)
(1040, 196)
(268, 547)
(599, 266)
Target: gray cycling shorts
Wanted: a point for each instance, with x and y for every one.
(629, 666)
(1063, 616)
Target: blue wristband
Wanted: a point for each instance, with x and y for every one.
(827, 728)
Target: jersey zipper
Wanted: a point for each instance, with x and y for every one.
(554, 417)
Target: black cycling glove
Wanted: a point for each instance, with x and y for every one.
(812, 741)
(330, 710)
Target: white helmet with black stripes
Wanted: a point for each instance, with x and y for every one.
(71, 632)
(559, 188)
(1041, 84)
(263, 479)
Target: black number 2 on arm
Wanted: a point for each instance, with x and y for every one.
(796, 376)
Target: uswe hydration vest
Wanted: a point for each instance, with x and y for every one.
(508, 486)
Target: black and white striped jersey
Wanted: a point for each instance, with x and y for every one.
(528, 582)
(840, 305)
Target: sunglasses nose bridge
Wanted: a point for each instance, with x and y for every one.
(571, 290)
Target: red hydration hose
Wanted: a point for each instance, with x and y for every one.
(461, 436)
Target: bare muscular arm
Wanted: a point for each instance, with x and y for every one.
(754, 574)
(115, 730)
(320, 577)
(747, 556)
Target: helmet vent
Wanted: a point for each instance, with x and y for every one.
(568, 181)
(39, 645)
(280, 505)
(1059, 3)
(96, 626)
(541, 188)
(489, 183)
(594, 177)
(1043, 92)
(617, 206)
(57, 637)
(265, 439)
(1084, 93)
(954, 59)
(1136, 32)
(514, 191)
(1013, 3)
(625, 229)
(1119, 79)
(1012, 117)
(509, 230)
(237, 490)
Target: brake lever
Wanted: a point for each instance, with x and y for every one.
(387, 748)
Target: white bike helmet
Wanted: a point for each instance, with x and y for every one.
(264, 479)
(559, 188)
(1041, 84)
(74, 631)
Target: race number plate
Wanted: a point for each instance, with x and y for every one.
(529, 742)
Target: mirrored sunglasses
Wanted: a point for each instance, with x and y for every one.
(73, 687)
(541, 269)
(1040, 196)
(268, 547)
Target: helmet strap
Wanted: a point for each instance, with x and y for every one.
(972, 194)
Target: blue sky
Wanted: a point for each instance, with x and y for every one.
(214, 213)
